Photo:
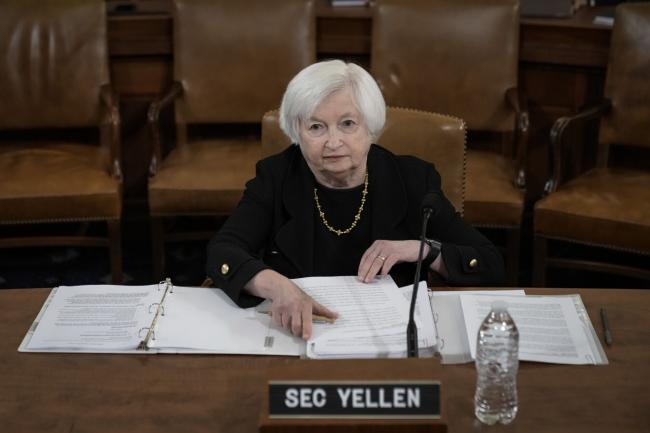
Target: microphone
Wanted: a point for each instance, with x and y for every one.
(430, 203)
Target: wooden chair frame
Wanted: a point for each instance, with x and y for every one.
(110, 139)
(559, 143)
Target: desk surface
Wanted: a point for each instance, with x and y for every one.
(160, 393)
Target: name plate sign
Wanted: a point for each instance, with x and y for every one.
(355, 399)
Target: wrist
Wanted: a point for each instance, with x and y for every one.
(432, 254)
(265, 284)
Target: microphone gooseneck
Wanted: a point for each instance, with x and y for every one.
(429, 203)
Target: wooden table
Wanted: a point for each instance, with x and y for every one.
(183, 393)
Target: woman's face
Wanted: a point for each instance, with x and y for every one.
(335, 141)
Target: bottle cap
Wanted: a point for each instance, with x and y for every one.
(499, 306)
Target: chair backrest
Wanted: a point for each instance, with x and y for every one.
(54, 63)
(234, 59)
(628, 79)
(433, 137)
(448, 56)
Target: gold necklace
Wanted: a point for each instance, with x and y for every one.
(357, 217)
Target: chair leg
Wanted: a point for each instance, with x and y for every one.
(539, 261)
(512, 256)
(157, 247)
(115, 248)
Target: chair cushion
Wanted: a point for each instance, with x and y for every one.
(491, 198)
(609, 207)
(203, 177)
(56, 182)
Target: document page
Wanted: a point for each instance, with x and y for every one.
(372, 318)
(550, 329)
(204, 320)
(450, 323)
(362, 307)
(88, 318)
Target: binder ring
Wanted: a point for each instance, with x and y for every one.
(157, 305)
(146, 339)
(160, 311)
(167, 285)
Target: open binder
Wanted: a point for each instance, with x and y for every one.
(160, 318)
(552, 328)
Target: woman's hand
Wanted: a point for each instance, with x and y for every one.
(383, 255)
(291, 308)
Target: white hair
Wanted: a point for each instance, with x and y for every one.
(307, 90)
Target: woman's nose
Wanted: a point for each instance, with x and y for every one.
(333, 137)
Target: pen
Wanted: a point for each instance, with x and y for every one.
(315, 318)
(608, 333)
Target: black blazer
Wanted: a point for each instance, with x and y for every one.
(273, 225)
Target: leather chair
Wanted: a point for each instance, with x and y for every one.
(232, 62)
(55, 94)
(609, 205)
(461, 57)
(436, 138)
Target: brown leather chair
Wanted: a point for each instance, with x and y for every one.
(433, 137)
(54, 83)
(461, 57)
(232, 62)
(609, 205)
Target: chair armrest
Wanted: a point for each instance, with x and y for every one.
(153, 115)
(110, 129)
(558, 139)
(519, 103)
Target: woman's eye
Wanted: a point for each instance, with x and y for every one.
(348, 124)
(315, 127)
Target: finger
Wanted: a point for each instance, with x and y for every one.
(374, 268)
(370, 272)
(276, 316)
(366, 261)
(296, 323)
(306, 321)
(388, 264)
(364, 267)
(322, 310)
(286, 320)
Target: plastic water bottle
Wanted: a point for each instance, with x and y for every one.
(497, 362)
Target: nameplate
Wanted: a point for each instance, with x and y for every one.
(355, 399)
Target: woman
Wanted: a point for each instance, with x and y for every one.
(336, 204)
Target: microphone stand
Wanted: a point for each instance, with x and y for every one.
(411, 329)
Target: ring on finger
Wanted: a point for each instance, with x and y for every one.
(380, 257)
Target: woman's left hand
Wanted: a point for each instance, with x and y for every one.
(383, 255)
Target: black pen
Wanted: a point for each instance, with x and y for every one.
(608, 333)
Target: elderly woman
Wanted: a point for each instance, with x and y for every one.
(337, 204)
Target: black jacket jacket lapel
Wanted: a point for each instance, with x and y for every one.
(388, 202)
(296, 237)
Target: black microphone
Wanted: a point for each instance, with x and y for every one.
(430, 204)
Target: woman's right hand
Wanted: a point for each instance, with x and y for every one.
(291, 308)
